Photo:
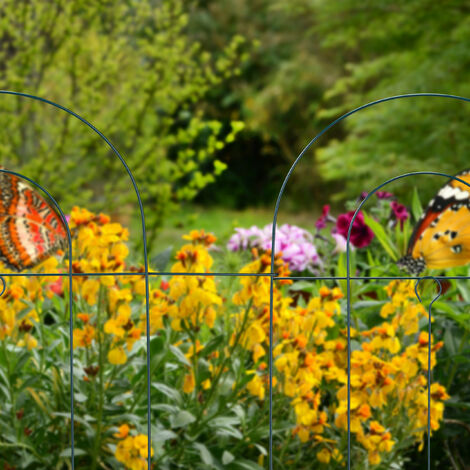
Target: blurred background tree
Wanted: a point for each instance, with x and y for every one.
(384, 49)
(316, 60)
(277, 96)
(173, 83)
(129, 68)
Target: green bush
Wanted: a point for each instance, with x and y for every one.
(131, 70)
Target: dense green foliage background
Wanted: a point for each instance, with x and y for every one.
(173, 83)
(317, 60)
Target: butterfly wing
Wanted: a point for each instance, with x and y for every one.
(441, 238)
(446, 243)
(30, 229)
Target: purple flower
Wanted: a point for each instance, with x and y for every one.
(400, 212)
(295, 243)
(361, 234)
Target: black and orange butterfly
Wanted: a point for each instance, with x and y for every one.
(441, 238)
(30, 228)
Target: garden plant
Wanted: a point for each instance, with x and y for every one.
(209, 340)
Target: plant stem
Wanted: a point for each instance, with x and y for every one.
(195, 354)
(454, 366)
(99, 419)
(224, 362)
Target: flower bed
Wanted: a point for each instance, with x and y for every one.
(208, 363)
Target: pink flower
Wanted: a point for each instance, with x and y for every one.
(245, 238)
(400, 212)
(295, 243)
(340, 243)
(361, 234)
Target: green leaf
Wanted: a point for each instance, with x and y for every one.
(170, 392)
(213, 344)
(342, 271)
(206, 456)
(179, 355)
(245, 464)
(68, 452)
(382, 237)
(156, 345)
(416, 207)
(227, 457)
(182, 419)
(162, 435)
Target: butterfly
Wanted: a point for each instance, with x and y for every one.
(441, 238)
(31, 230)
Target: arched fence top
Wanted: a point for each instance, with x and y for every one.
(56, 207)
(108, 143)
(348, 276)
(327, 128)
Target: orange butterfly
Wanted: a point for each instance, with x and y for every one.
(30, 228)
(441, 238)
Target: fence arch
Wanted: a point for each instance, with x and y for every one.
(70, 274)
(348, 277)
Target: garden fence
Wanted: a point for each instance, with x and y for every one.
(147, 273)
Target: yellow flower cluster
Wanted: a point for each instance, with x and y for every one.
(19, 304)
(100, 246)
(388, 365)
(132, 451)
(388, 371)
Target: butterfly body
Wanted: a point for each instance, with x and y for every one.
(30, 228)
(441, 238)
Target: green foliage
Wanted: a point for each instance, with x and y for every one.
(387, 49)
(276, 95)
(130, 69)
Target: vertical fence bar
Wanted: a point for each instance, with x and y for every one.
(429, 359)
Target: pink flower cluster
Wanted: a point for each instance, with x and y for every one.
(295, 243)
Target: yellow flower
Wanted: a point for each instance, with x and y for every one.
(29, 341)
(189, 383)
(256, 386)
(83, 337)
(133, 452)
(90, 290)
(117, 356)
(324, 456)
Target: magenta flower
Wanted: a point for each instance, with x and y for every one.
(400, 212)
(361, 234)
(384, 195)
(363, 195)
(324, 218)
